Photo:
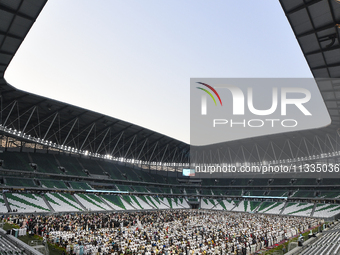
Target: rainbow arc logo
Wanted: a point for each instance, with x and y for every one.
(204, 97)
(209, 93)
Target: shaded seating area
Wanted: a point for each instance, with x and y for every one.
(70, 164)
(15, 161)
(46, 163)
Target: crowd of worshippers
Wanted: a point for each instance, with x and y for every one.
(165, 232)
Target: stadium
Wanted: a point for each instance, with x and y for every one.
(95, 184)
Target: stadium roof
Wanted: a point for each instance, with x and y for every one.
(65, 124)
(315, 24)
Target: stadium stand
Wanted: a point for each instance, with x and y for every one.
(281, 181)
(326, 210)
(92, 202)
(277, 193)
(208, 182)
(191, 191)
(140, 189)
(80, 185)
(128, 173)
(155, 189)
(206, 192)
(46, 163)
(331, 182)
(259, 182)
(161, 179)
(299, 209)
(113, 172)
(70, 164)
(233, 192)
(15, 161)
(55, 184)
(304, 193)
(328, 243)
(146, 177)
(124, 188)
(23, 182)
(3, 207)
(330, 194)
(25, 203)
(303, 181)
(176, 191)
(91, 166)
(61, 202)
(15, 247)
(265, 206)
(167, 190)
(114, 201)
(275, 208)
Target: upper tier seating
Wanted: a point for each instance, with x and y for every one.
(21, 182)
(333, 181)
(128, 173)
(53, 184)
(304, 193)
(46, 163)
(111, 170)
(281, 181)
(91, 165)
(15, 161)
(70, 164)
(259, 182)
(80, 185)
(305, 182)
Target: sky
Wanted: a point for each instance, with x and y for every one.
(133, 59)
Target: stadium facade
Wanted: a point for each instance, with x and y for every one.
(57, 157)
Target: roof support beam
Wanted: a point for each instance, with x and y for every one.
(10, 112)
(140, 151)
(114, 148)
(34, 108)
(317, 140)
(49, 127)
(172, 156)
(46, 117)
(152, 153)
(81, 147)
(258, 153)
(166, 148)
(326, 66)
(6, 52)
(65, 123)
(316, 30)
(11, 35)
(69, 132)
(322, 50)
(16, 12)
(19, 116)
(108, 129)
(303, 6)
(330, 142)
(304, 140)
(126, 153)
